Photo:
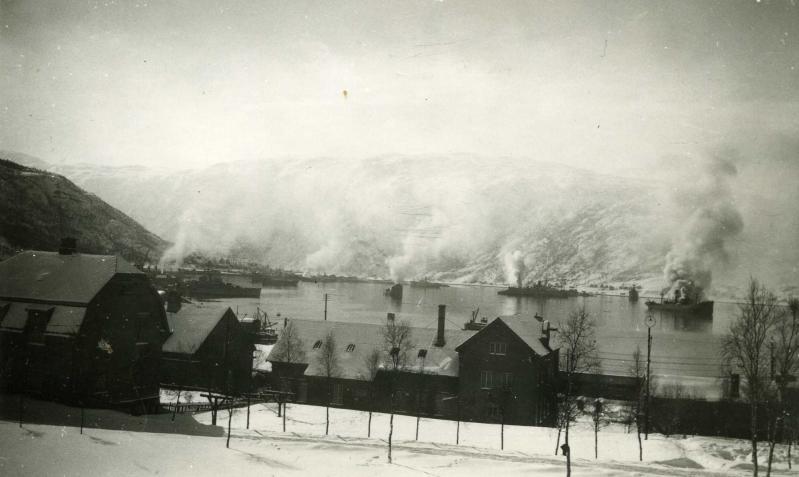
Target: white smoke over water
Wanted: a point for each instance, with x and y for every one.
(514, 267)
(466, 219)
(702, 242)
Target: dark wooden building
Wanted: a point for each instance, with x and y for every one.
(209, 348)
(508, 372)
(80, 328)
(449, 373)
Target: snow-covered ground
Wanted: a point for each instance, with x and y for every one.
(118, 444)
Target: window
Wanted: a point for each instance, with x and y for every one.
(486, 379)
(493, 411)
(498, 348)
(317, 345)
(350, 348)
(37, 324)
(142, 320)
(422, 353)
(507, 380)
(338, 394)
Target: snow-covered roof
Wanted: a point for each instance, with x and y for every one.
(65, 320)
(528, 328)
(354, 342)
(191, 326)
(53, 277)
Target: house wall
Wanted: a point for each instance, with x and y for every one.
(527, 400)
(223, 362)
(119, 345)
(128, 316)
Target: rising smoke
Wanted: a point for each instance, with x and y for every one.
(702, 241)
(514, 267)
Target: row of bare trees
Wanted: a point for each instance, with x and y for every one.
(763, 345)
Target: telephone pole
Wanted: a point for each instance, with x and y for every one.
(650, 322)
(325, 306)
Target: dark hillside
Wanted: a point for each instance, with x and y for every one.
(37, 208)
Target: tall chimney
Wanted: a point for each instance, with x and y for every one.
(442, 315)
(69, 245)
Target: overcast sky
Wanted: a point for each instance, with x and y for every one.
(605, 85)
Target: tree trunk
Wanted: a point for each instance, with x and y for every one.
(772, 441)
(557, 443)
(502, 435)
(640, 444)
(753, 425)
(369, 426)
(390, 433)
(284, 417)
(229, 418)
(417, 429)
(177, 403)
(568, 449)
(596, 440)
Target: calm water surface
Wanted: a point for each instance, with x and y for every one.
(686, 347)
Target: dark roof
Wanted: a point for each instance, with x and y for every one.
(442, 361)
(52, 277)
(191, 326)
(65, 320)
(528, 328)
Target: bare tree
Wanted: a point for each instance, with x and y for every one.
(600, 420)
(745, 347)
(578, 343)
(635, 414)
(785, 363)
(327, 360)
(397, 342)
(418, 394)
(288, 349)
(372, 363)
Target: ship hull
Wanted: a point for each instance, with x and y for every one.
(538, 292)
(703, 309)
(238, 292)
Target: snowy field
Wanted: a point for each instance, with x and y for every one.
(50, 443)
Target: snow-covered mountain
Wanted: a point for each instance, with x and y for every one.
(459, 218)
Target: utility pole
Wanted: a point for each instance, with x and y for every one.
(325, 306)
(650, 322)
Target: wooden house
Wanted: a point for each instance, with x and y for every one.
(208, 349)
(80, 328)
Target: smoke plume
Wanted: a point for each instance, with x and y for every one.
(514, 267)
(703, 238)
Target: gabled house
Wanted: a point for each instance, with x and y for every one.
(80, 328)
(208, 348)
(509, 372)
(449, 372)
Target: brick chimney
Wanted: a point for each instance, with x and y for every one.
(442, 315)
(69, 246)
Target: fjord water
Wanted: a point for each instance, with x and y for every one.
(682, 346)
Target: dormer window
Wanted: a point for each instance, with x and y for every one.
(498, 348)
(350, 348)
(317, 345)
